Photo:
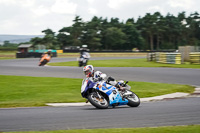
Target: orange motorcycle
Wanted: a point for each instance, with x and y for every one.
(44, 59)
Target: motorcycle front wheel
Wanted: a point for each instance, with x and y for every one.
(133, 99)
(96, 101)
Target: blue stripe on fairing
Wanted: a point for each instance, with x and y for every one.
(103, 88)
(109, 92)
(118, 99)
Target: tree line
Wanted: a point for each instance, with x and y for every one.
(151, 32)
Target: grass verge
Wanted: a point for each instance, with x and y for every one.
(126, 63)
(24, 91)
(7, 55)
(168, 129)
(12, 54)
(112, 54)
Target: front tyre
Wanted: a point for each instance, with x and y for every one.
(98, 102)
(133, 99)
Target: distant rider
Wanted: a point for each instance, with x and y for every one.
(45, 58)
(85, 55)
(48, 53)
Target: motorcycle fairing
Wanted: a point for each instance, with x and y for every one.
(117, 99)
(113, 94)
(86, 84)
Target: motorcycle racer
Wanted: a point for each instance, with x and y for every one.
(99, 76)
(83, 59)
(102, 92)
(45, 58)
(94, 76)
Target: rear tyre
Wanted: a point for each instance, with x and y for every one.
(98, 102)
(133, 99)
(44, 62)
(80, 63)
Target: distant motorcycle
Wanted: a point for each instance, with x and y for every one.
(101, 94)
(83, 59)
(44, 59)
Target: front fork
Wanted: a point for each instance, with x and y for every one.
(98, 96)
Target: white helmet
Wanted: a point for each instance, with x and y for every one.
(88, 70)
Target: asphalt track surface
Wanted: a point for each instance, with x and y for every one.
(184, 111)
(28, 67)
(161, 113)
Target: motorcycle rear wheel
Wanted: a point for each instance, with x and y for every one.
(100, 103)
(44, 62)
(133, 99)
(80, 64)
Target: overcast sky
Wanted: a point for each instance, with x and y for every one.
(30, 17)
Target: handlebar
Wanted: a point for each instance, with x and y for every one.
(126, 83)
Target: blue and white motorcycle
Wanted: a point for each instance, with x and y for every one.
(102, 94)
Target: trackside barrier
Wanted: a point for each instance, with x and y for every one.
(157, 57)
(59, 51)
(151, 56)
(195, 58)
(168, 58)
(162, 58)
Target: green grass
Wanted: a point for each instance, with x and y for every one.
(12, 54)
(112, 54)
(24, 91)
(126, 63)
(168, 129)
(20, 91)
(7, 55)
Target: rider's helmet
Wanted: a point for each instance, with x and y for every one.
(49, 52)
(88, 70)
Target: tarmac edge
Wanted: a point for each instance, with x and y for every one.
(148, 99)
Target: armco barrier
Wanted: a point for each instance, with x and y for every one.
(168, 58)
(173, 58)
(151, 56)
(157, 56)
(162, 58)
(195, 58)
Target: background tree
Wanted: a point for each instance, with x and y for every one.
(92, 34)
(133, 36)
(173, 31)
(153, 31)
(64, 37)
(9, 44)
(193, 22)
(147, 25)
(76, 31)
(36, 41)
(114, 38)
(49, 40)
